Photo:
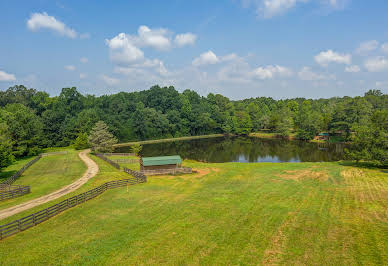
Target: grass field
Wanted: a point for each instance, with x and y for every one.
(230, 213)
(46, 175)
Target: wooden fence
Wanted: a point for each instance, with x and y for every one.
(12, 179)
(13, 191)
(134, 173)
(24, 223)
(180, 170)
(126, 160)
(119, 154)
(101, 156)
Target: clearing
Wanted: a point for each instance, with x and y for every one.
(228, 213)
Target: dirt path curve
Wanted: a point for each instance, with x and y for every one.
(90, 172)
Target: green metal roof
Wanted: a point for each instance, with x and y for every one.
(162, 160)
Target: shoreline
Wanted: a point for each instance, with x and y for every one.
(264, 135)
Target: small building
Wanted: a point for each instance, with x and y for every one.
(323, 136)
(161, 162)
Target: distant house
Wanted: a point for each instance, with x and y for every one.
(161, 162)
(323, 136)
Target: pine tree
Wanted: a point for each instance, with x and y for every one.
(100, 139)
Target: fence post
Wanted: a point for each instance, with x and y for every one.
(19, 225)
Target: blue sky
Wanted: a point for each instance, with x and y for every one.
(240, 48)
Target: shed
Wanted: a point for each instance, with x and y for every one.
(160, 162)
(323, 136)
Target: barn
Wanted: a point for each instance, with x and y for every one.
(160, 162)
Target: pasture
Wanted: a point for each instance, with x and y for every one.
(229, 213)
(48, 174)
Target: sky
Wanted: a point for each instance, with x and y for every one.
(239, 48)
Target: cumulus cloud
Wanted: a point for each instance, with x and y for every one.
(156, 38)
(185, 39)
(83, 60)
(4, 76)
(208, 58)
(270, 8)
(123, 51)
(270, 72)
(39, 21)
(329, 56)
(367, 46)
(307, 74)
(70, 67)
(352, 69)
(376, 64)
(83, 76)
(109, 80)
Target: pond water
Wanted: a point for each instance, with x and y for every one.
(245, 149)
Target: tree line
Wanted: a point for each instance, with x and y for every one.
(31, 120)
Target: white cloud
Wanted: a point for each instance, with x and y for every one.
(83, 60)
(270, 8)
(70, 67)
(4, 76)
(270, 72)
(329, 56)
(307, 74)
(83, 75)
(207, 58)
(185, 39)
(123, 51)
(376, 64)
(367, 46)
(155, 38)
(109, 80)
(352, 69)
(384, 47)
(44, 21)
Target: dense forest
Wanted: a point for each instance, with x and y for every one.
(31, 120)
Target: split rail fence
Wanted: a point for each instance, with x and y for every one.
(179, 170)
(13, 178)
(34, 219)
(102, 156)
(13, 191)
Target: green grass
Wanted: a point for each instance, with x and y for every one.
(230, 213)
(47, 175)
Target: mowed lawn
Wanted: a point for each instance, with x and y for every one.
(231, 213)
(47, 175)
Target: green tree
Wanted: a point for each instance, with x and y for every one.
(370, 139)
(136, 148)
(307, 122)
(100, 139)
(81, 142)
(6, 156)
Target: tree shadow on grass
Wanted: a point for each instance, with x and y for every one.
(6, 174)
(367, 165)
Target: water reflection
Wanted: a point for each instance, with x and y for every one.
(246, 149)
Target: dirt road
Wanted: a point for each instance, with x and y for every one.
(90, 172)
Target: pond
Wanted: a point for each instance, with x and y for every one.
(245, 149)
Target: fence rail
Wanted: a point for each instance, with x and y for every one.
(126, 160)
(12, 179)
(34, 219)
(119, 154)
(9, 192)
(180, 170)
(134, 173)
(101, 156)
